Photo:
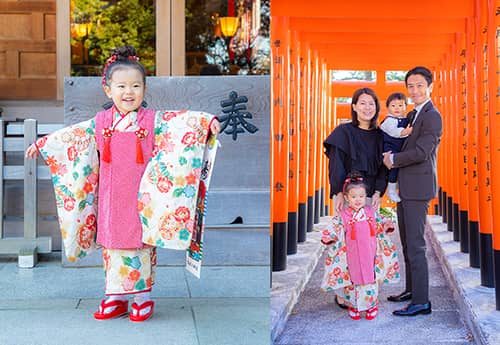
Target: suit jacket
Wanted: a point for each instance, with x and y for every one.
(417, 160)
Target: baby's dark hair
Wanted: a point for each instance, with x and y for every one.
(122, 57)
(354, 180)
(396, 95)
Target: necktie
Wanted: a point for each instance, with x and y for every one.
(411, 116)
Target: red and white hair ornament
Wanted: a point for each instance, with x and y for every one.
(351, 179)
(109, 61)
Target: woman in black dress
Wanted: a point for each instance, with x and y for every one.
(358, 145)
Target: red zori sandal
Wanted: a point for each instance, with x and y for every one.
(135, 314)
(354, 313)
(371, 313)
(121, 309)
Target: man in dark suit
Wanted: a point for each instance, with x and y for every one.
(417, 186)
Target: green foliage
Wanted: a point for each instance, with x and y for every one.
(85, 10)
(395, 75)
(119, 23)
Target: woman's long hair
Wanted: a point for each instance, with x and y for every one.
(355, 98)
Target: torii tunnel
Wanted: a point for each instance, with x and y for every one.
(457, 40)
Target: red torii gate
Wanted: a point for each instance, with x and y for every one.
(459, 41)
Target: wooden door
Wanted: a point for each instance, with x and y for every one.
(28, 49)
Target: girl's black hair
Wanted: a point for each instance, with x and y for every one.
(354, 180)
(123, 57)
(355, 98)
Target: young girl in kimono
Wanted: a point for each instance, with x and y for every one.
(126, 138)
(359, 254)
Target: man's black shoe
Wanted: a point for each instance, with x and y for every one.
(414, 309)
(403, 296)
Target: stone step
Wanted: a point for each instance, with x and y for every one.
(224, 206)
(49, 226)
(221, 247)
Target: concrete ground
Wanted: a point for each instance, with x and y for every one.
(301, 314)
(53, 305)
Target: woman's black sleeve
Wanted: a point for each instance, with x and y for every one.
(337, 169)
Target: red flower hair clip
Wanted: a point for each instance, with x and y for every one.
(109, 61)
(353, 179)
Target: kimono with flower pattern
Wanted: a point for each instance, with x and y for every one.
(336, 275)
(172, 191)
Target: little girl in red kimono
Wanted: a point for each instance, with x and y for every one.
(359, 254)
(126, 138)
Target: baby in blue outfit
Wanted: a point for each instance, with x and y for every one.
(396, 128)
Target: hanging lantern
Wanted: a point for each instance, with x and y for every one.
(228, 25)
(80, 30)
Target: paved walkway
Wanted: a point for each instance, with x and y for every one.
(53, 305)
(316, 320)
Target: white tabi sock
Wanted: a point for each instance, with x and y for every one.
(111, 299)
(141, 298)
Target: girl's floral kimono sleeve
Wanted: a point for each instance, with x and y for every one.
(336, 274)
(71, 156)
(173, 188)
(386, 260)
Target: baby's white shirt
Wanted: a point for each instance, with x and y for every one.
(390, 126)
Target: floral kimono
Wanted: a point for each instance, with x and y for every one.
(384, 266)
(161, 168)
